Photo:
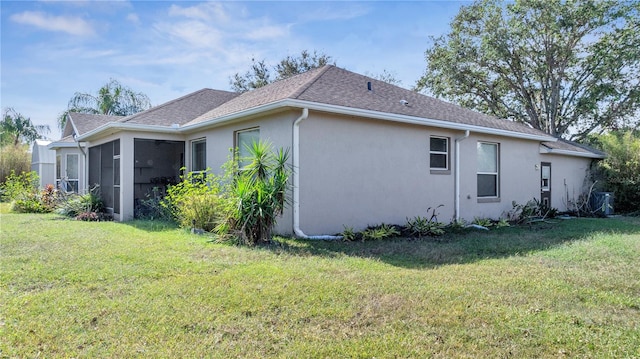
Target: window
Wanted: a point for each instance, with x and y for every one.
(72, 177)
(439, 153)
(244, 141)
(199, 155)
(488, 169)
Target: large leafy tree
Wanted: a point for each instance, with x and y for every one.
(111, 99)
(17, 129)
(565, 67)
(260, 74)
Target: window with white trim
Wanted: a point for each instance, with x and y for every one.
(439, 153)
(488, 169)
(199, 155)
(72, 172)
(244, 140)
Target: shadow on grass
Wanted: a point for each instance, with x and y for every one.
(466, 247)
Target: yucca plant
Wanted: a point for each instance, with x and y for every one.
(260, 189)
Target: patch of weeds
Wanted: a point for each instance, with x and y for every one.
(382, 231)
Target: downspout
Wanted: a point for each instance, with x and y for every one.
(457, 180)
(296, 182)
(86, 165)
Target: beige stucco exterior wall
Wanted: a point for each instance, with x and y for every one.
(275, 128)
(357, 172)
(569, 179)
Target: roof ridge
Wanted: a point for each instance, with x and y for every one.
(311, 81)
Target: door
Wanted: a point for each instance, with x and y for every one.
(545, 184)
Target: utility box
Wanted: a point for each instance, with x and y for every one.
(602, 203)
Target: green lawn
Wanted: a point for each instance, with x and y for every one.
(142, 289)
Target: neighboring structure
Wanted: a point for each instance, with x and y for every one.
(363, 151)
(43, 161)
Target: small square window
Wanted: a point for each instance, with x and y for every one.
(439, 153)
(244, 141)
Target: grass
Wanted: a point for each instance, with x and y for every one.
(144, 289)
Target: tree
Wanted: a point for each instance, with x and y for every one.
(386, 76)
(112, 99)
(260, 74)
(620, 171)
(17, 129)
(565, 67)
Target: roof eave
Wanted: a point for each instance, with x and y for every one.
(545, 150)
(365, 113)
(119, 126)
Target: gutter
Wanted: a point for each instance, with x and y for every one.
(296, 181)
(456, 198)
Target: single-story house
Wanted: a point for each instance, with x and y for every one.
(363, 151)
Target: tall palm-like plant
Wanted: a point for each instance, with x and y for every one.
(111, 99)
(16, 128)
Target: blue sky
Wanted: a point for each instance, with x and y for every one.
(166, 49)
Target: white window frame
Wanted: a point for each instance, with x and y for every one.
(496, 173)
(237, 143)
(445, 153)
(71, 181)
(193, 143)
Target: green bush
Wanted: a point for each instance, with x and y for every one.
(14, 159)
(259, 192)
(620, 171)
(76, 204)
(196, 202)
(382, 231)
(22, 191)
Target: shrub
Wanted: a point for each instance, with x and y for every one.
(423, 226)
(195, 202)
(14, 159)
(75, 204)
(620, 171)
(382, 231)
(17, 186)
(259, 194)
(88, 216)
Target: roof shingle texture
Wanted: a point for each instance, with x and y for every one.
(335, 86)
(85, 122)
(183, 109)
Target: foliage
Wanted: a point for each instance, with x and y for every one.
(620, 171)
(22, 191)
(555, 65)
(16, 129)
(423, 226)
(17, 186)
(386, 76)
(111, 99)
(260, 74)
(195, 202)
(259, 192)
(14, 159)
(242, 204)
(88, 217)
(530, 211)
(382, 231)
(484, 222)
(349, 234)
(73, 205)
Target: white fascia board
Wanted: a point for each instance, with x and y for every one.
(551, 151)
(365, 113)
(419, 121)
(54, 145)
(118, 127)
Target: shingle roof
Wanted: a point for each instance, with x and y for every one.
(183, 109)
(335, 86)
(85, 122)
(565, 145)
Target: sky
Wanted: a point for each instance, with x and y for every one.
(166, 49)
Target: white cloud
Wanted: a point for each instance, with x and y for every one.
(70, 25)
(133, 17)
(268, 32)
(209, 11)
